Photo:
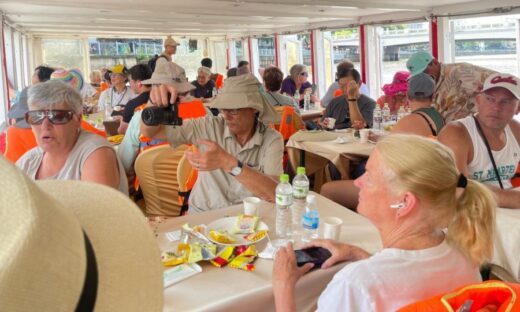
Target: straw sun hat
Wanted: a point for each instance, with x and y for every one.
(244, 91)
(45, 234)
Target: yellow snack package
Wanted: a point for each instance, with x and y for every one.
(223, 257)
(245, 260)
(253, 237)
(221, 237)
(246, 224)
(169, 258)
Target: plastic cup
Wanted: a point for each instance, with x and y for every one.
(332, 228)
(363, 135)
(251, 206)
(332, 122)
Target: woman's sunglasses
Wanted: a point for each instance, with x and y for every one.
(56, 116)
(304, 74)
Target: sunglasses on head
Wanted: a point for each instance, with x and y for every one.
(56, 116)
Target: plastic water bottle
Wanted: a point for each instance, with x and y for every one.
(386, 115)
(214, 93)
(108, 108)
(378, 118)
(311, 219)
(284, 200)
(297, 96)
(401, 113)
(300, 185)
(306, 101)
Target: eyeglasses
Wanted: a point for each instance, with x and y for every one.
(232, 112)
(56, 116)
(304, 74)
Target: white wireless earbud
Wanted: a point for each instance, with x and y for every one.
(398, 206)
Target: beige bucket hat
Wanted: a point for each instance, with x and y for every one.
(66, 242)
(169, 41)
(172, 74)
(244, 91)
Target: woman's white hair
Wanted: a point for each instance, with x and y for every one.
(52, 93)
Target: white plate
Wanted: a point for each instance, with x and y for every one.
(228, 224)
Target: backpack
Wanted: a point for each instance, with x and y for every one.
(153, 61)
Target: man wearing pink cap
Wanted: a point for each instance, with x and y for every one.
(486, 145)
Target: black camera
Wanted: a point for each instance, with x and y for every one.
(154, 116)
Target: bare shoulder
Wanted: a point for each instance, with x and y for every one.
(515, 128)
(412, 124)
(454, 132)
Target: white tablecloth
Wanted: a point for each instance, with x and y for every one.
(507, 241)
(227, 289)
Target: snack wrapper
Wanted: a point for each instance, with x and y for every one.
(196, 252)
(245, 259)
(223, 257)
(169, 258)
(253, 237)
(221, 237)
(246, 224)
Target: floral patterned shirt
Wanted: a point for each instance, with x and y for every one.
(458, 85)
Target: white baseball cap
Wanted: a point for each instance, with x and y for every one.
(506, 81)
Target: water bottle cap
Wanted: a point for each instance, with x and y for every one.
(300, 170)
(284, 178)
(311, 199)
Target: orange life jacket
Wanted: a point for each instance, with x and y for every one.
(219, 81)
(515, 180)
(503, 296)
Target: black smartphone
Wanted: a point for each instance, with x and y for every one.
(316, 255)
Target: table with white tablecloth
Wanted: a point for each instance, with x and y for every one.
(507, 241)
(326, 145)
(227, 289)
(311, 114)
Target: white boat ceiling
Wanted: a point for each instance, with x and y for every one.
(218, 18)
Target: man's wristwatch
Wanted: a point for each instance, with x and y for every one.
(237, 169)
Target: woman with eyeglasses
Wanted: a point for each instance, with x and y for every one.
(65, 151)
(297, 80)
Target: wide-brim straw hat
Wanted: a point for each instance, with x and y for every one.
(244, 91)
(172, 74)
(46, 227)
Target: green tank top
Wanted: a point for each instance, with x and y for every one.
(435, 116)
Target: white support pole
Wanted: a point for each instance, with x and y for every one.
(518, 47)
(319, 62)
(232, 53)
(255, 57)
(374, 57)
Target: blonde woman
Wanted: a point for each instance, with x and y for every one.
(436, 227)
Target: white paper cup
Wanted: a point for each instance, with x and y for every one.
(332, 122)
(363, 135)
(251, 206)
(332, 228)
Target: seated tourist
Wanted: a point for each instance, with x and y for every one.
(63, 244)
(134, 142)
(412, 192)
(395, 92)
(137, 74)
(297, 80)
(238, 155)
(65, 151)
(424, 121)
(116, 97)
(352, 109)
(335, 89)
(487, 145)
(273, 78)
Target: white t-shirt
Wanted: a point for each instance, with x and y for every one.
(394, 278)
